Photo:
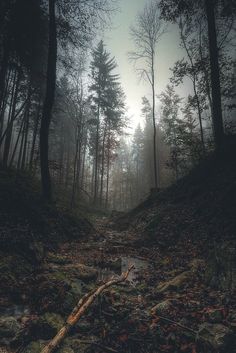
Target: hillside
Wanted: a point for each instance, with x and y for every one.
(199, 207)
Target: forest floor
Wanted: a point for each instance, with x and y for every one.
(50, 259)
(164, 306)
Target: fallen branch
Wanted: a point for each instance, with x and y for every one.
(80, 309)
(176, 323)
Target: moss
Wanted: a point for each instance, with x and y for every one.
(58, 259)
(37, 346)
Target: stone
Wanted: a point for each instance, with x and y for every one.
(197, 264)
(162, 307)
(37, 346)
(9, 329)
(47, 326)
(218, 337)
(176, 283)
(82, 272)
(215, 316)
(58, 259)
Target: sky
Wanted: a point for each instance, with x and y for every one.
(118, 42)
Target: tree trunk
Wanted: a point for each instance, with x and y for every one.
(36, 125)
(154, 125)
(96, 156)
(11, 119)
(103, 161)
(215, 75)
(48, 103)
(17, 142)
(75, 168)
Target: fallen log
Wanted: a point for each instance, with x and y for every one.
(80, 309)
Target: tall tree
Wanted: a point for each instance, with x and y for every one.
(107, 103)
(215, 74)
(146, 35)
(48, 102)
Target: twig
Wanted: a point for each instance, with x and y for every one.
(177, 324)
(80, 309)
(99, 345)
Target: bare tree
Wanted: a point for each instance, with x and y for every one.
(146, 34)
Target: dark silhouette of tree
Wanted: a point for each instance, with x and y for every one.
(146, 35)
(215, 75)
(48, 102)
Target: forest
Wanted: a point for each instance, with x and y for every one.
(117, 176)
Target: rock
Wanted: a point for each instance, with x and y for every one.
(162, 307)
(197, 265)
(82, 272)
(215, 316)
(47, 326)
(9, 329)
(58, 291)
(176, 283)
(13, 269)
(37, 346)
(218, 337)
(72, 296)
(58, 259)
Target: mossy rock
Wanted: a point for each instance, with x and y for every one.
(72, 296)
(58, 259)
(9, 329)
(37, 346)
(162, 307)
(58, 292)
(217, 336)
(48, 325)
(13, 270)
(80, 271)
(76, 345)
(176, 283)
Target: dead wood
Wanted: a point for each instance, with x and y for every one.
(80, 309)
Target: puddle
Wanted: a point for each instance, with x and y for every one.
(126, 261)
(15, 310)
(139, 265)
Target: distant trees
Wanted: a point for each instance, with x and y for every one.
(179, 129)
(146, 35)
(108, 105)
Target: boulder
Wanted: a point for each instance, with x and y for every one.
(9, 329)
(47, 326)
(176, 283)
(215, 316)
(37, 346)
(82, 272)
(162, 307)
(217, 337)
(197, 265)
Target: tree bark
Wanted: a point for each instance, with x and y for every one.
(215, 76)
(48, 103)
(35, 132)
